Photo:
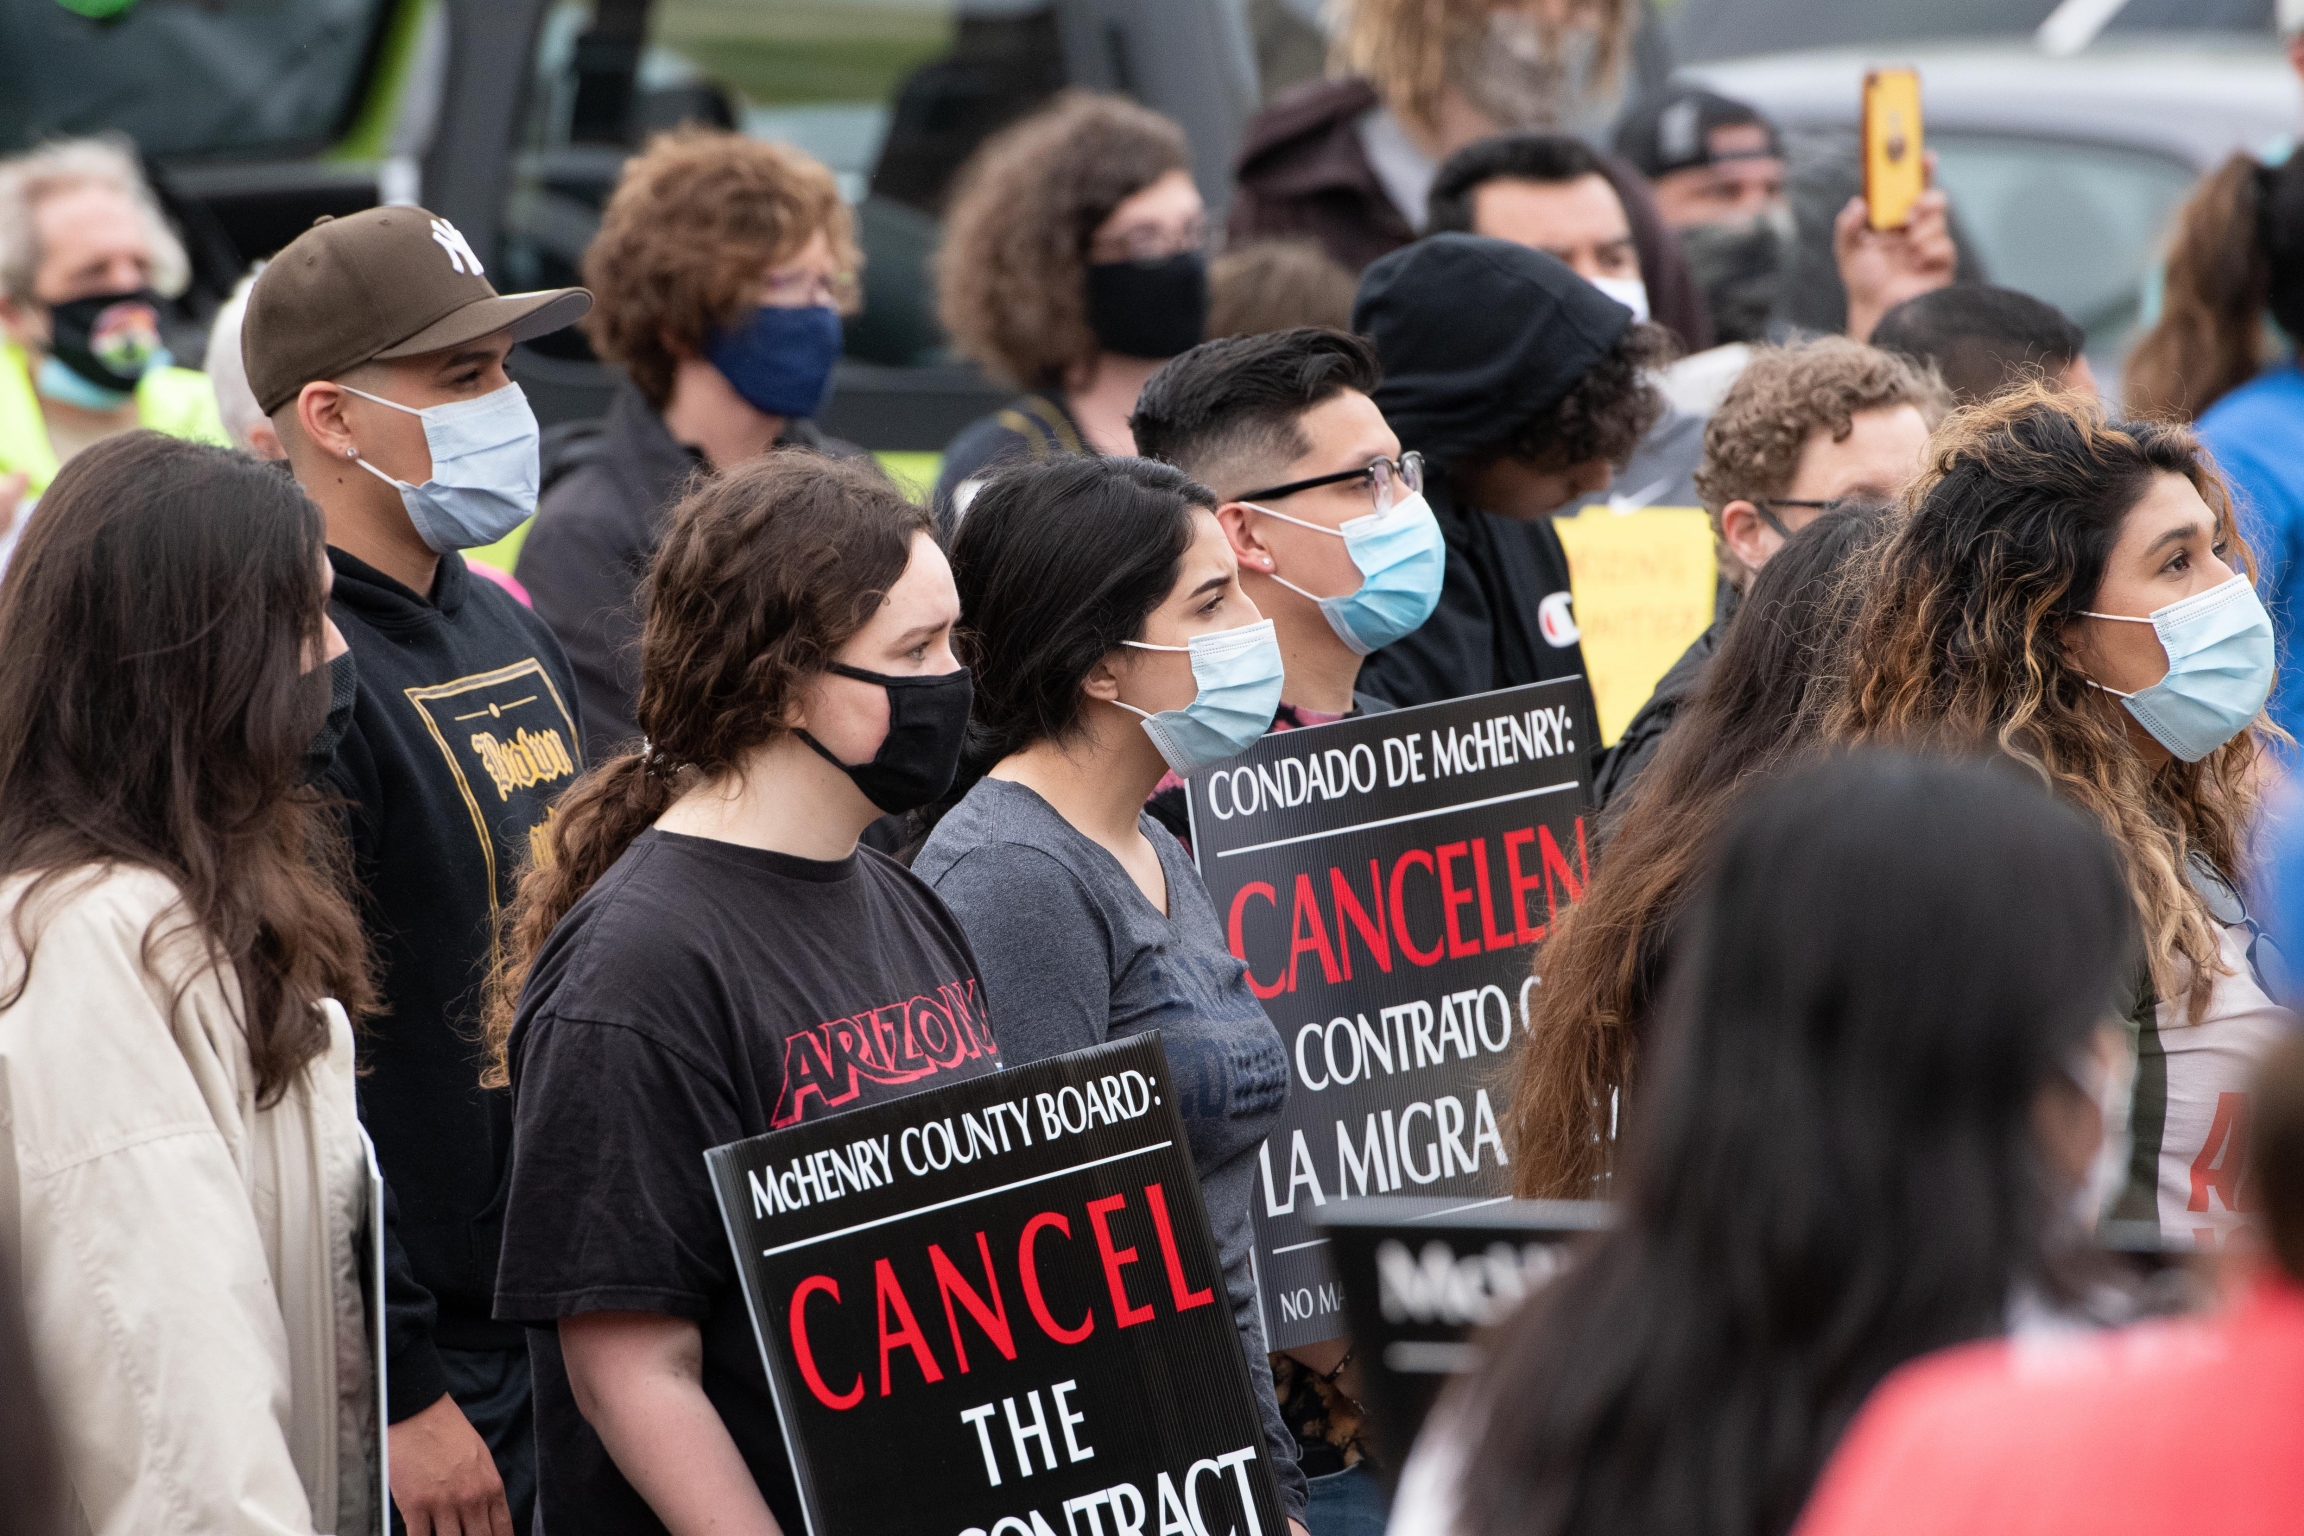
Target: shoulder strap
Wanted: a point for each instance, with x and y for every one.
(1042, 420)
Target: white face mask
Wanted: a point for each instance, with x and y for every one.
(485, 468)
(1630, 292)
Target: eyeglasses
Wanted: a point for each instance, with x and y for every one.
(1387, 481)
(1150, 242)
(1766, 507)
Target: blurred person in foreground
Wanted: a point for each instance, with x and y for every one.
(1074, 264)
(2191, 1424)
(1803, 428)
(1756, 710)
(2236, 262)
(185, 1184)
(1546, 191)
(85, 262)
(1524, 387)
(1277, 285)
(1283, 429)
(2069, 591)
(1981, 339)
(1350, 160)
(1876, 1101)
(720, 274)
(377, 346)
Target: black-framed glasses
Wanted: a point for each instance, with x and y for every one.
(1387, 481)
(1766, 507)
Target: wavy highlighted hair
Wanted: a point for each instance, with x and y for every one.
(1961, 644)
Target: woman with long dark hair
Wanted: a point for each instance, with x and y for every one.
(706, 905)
(1111, 643)
(1876, 1094)
(1576, 1075)
(176, 960)
(2070, 592)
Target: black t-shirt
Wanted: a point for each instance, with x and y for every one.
(699, 994)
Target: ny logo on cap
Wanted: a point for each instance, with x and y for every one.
(460, 255)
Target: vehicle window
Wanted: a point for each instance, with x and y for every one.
(892, 95)
(1727, 29)
(234, 78)
(2078, 225)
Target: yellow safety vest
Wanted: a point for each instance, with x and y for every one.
(177, 401)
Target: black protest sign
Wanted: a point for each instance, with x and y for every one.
(1386, 878)
(995, 1309)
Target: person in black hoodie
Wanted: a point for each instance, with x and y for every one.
(1524, 387)
(376, 346)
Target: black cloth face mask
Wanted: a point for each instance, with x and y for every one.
(1740, 266)
(927, 723)
(109, 339)
(343, 690)
(1149, 308)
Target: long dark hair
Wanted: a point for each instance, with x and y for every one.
(1960, 644)
(1756, 711)
(2237, 251)
(764, 573)
(1057, 563)
(1835, 1169)
(155, 622)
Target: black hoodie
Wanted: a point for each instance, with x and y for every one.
(1476, 337)
(464, 731)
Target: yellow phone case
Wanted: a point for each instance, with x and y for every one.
(1894, 176)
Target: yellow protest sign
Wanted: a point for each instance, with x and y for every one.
(1643, 583)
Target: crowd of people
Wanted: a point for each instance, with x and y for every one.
(1925, 935)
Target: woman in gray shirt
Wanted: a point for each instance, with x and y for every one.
(1109, 641)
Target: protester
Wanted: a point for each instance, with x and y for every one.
(185, 1178)
(2001, 1440)
(85, 260)
(1277, 285)
(2237, 257)
(1754, 710)
(1717, 170)
(1981, 339)
(1350, 161)
(1875, 1103)
(722, 267)
(1546, 191)
(244, 421)
(1306, 473)
(705, 908)
(1084, 584)
(377, 347)
(2069, 591)
(1074, 264)
(1803, 428)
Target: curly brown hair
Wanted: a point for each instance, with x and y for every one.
(695, 219)
(1604, 414)
(765, 572)
(1411, 49)
(1010, 277)
(1960, 646)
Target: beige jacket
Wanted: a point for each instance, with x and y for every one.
(189, 1260)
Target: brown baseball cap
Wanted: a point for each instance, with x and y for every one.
(381, 283)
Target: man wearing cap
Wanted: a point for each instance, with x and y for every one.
(1717, 169)
(1524, 387)
(376, 345)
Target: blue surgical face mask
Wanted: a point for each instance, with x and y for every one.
(1401, 556)
(484, 468)
(780, 360)
(2219, 645)
(1239, 674)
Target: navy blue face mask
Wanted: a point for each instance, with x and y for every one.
(780, 360)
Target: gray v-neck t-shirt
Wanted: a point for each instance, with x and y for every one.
(1071, 954)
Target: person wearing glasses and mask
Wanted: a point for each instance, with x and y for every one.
(722, 268)
(376, 345)
(1109, 642)
(1324, 513)
(1803, 428)
(1074, 264)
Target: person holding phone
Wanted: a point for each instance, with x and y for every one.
(705, 906)
(1111, 642)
